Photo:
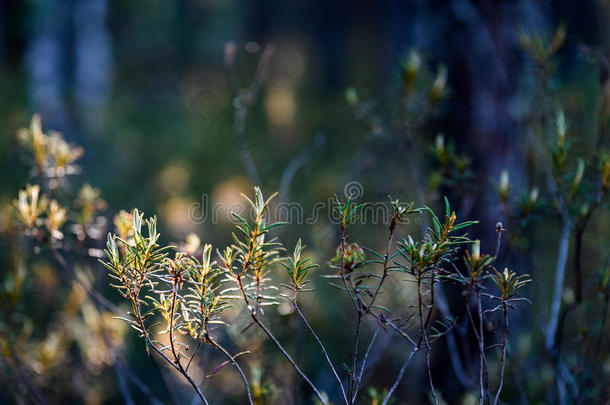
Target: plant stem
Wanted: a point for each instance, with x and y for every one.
(37, 396)
(176, 363)
(481, 351)
(481, 347)
(322, 347)
(400, 375)
(560, 269)
(123, 384)
(600, 338)
(425, 335)
(171, 326)
(580, 230)
(503, 359)
(236, 365)
(100, 299)
(362, 367)
(349, 292)
(352, 384)
(193, 356)
(169, 388)
(360, 310)
(141, 386)
(276, 342)
(429, 314)
(245, 99)
(385, 262)
(179, 369)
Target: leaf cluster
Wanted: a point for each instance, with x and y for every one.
(509, 283)
(298, 268)
(133, 263)
(252, 256)
(438, 245)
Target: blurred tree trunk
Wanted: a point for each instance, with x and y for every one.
(46, 57)
(92, 62)
(68, 61)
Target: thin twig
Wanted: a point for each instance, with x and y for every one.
(323, 348)
(123, 384)
(349, 292)
(425, 336)
(363, 365)
(396, 328)
(400, 375)
(563, 244)
(37, 396)
(386, 258)
(180, 370)
(176, 355)
(355, 356)
(276, 342)
(97, 297)
(236, 365)
(503, 358)
(193, 355)
(297, 162)
(600, 339)
(481, 349)
(140, 385)
(454, 355)
(360, 308)
(169, 388)
(244, 100)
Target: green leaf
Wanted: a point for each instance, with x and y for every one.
(464, 225)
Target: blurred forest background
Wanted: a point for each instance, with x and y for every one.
(144, 88)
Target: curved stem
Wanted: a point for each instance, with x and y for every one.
(499, 231)
(180, 370)
(171, 327)
(276, 342)
(425, 336)
(323, 348)
(352, 384)
(400, 375)
(360, 308)
(176, 363)
(385, 262)
(236, 365)
(362, 367)
(349, 292)
(503, 359)
(193, 356)
(481, 345)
